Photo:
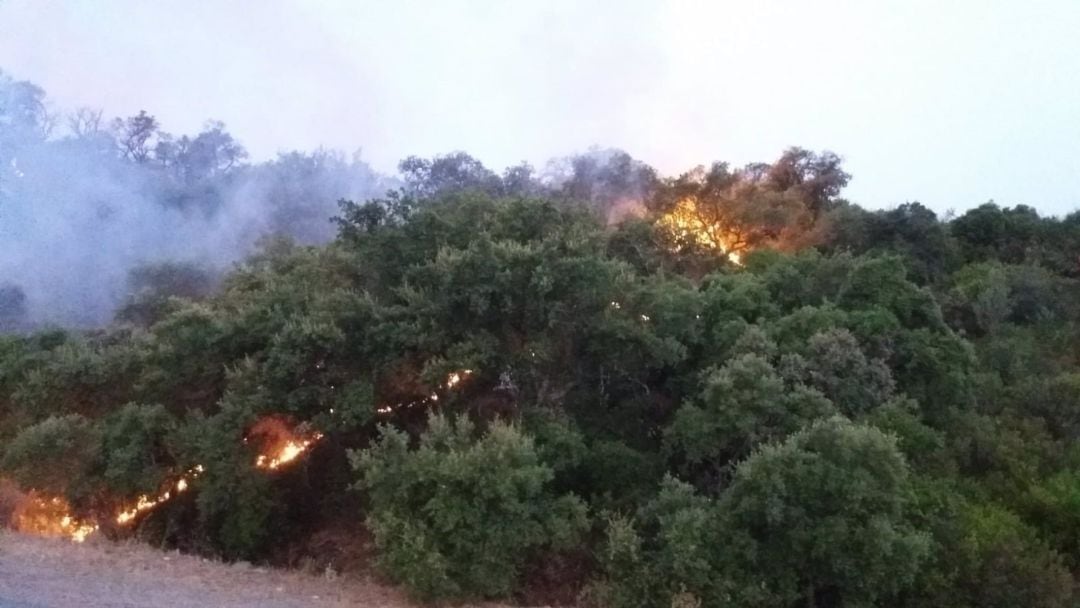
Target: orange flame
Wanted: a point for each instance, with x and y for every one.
(280, 444)
(145, 503)
(287, 453)
(688, 224)
(51, 517)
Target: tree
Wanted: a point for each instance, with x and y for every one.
(915, 232)
(992, 559)
(135, 452)
(742, 405)
(521, 180)
(85, 123)
(134, 135)
(458, 516)
(151, 286)
(817, 177)
(207, 155)
(602, 179)
(725, 210)
(824, 515)
(453, 172)
(760, 205)
(56, 455)
(24, 124)
(836, 366)
(881, 282)
(24, 119)
(1011, 235)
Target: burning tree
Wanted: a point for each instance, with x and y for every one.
(760, 205)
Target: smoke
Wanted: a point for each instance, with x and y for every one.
(85, 203)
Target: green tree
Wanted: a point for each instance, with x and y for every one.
(57, 455)
(742, 405)
(134, 449)
(837, 366)
(825, 515)
(458, 516)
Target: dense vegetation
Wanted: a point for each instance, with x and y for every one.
(523, 390)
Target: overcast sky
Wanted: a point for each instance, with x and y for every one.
(950, 102)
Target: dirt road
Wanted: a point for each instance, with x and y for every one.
(42, 573)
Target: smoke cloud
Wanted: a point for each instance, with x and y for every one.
(87, 203)
(82, 203)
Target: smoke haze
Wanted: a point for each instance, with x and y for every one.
(82, 203)
(85, 201)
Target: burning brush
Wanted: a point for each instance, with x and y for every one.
(280, 444)
(52, 516)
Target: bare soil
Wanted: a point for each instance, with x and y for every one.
(49, 573)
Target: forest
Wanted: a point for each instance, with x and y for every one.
(588, 385)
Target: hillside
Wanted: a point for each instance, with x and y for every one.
(615, 389)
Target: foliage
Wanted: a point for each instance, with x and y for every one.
(55, 455)
(825, 515)
(457, 516)
(875, 408)
(134, 448)
(742, 405)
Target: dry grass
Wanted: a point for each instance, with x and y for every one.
(55, 573)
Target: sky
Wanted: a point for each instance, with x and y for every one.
(948, 102)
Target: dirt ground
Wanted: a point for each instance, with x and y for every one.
(45, 573)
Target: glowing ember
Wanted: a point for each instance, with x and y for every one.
(688, 224)
(51, 517)
(453, 379)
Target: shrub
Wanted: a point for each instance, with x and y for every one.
(824, 514)
(134, 448)
(458, 516)
(55, 455)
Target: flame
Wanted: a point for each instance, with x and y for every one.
(688, 224)
(287, 453)
(145, 503)
(51, 517)
(280, 444)
(453, 379)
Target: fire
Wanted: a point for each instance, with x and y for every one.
(687, 223)
(281, 445)
(287, 453)
(453, 379)
(51, 517)
(146, 503)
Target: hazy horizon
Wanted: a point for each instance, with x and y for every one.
(951, 105)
